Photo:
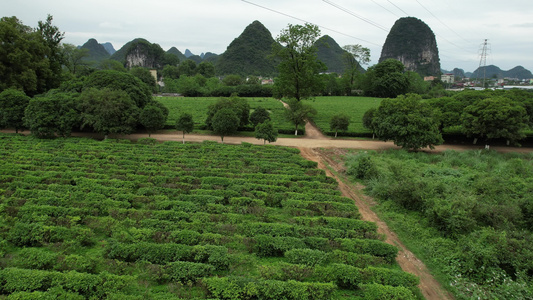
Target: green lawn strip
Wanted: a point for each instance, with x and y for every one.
(353, 107)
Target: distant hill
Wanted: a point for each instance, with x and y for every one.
(412, 42)
(97, 52)
(211, 57)
(188, 53)
(456, 72)
(178, 53)
(248, 53)
(331, 54)
(120, 54)
(492, 71)
(109, 48)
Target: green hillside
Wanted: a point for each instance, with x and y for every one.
(248, 54)
(97, 52)
(331, 54)
(113, 220)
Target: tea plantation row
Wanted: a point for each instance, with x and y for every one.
(114, 220)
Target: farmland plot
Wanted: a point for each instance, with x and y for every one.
(88, 219)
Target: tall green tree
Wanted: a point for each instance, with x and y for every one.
(408, 122)
(137, 90)
(225, 122)
(495, 117)
(339, 122)
(73, 58)
(108, 111)
(185, 124)
(368, 120)
(259, 115)
(12, 105)
(239, 105)
(354, 58)
(386, 79)
(53, 113)
(298, 113)
(145, 76)
(265, 131)
(299, 67)
(207, 69)
(152, 118)
(187, 68)
(28, 57)
(52, 38)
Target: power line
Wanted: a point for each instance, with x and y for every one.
(398, 7)
(302, 20)
(441, 21)
(357, 16)
(385, 8)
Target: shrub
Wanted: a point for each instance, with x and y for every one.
(385, 292)
(306, 257)
(276, 246)
(183, 271)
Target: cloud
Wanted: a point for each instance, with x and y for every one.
(110, 25)
(523, 25)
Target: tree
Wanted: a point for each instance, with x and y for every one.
(152, 118)
(354, 57)
(368, 120)
(26, 57)
(259, 115)
(108, 111)
(339, 122)
(187, 68)
(51, 114)
(145, 76)
(207, 69)
(265, 131)
(298, 113)
(408, 122)
(12, 105)
(495, 117)
(386, 79)
(239, 105)
(73, 58)
(137, 90)
(225, 122)
(232, 80)
(185, 123)
(299, 67)
(52, 38)
(170, 72)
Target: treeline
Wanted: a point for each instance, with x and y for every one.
(489, 115)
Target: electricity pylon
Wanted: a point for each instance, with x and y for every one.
(483, 61)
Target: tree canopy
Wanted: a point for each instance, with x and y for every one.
(265, 131)
(298, 113)
(30, 59)
(299, 67)
(495, 117)
(137, 90)
(12, 105)
(185, 124)
(225, 122)
(408, 122)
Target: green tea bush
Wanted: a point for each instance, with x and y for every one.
(183, 271)
(385, 292)
(372, 247)
(306, 257)
(245, 288)
(36, 258)
(276, 246)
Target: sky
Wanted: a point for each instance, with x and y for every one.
(460, 27)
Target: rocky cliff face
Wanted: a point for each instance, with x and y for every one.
(413, 43)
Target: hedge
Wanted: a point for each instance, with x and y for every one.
(235, 288)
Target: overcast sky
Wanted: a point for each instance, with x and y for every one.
(210, 25)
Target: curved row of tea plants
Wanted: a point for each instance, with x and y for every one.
(111, 219)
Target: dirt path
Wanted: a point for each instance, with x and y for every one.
(429, 287)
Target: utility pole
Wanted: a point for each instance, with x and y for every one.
(483, 61)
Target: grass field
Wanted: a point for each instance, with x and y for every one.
(354, 107)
